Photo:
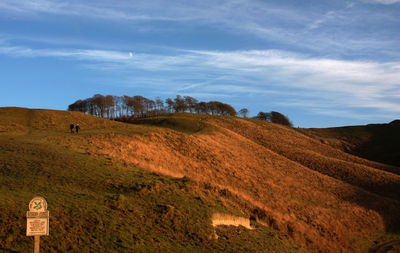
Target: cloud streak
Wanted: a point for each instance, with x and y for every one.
(331, 84)
(386, 2)
(285, 25)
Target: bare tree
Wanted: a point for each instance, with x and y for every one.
(202, 107)
(243, 112)
(119, 105)
(179, 104)
(143, 101)
(99, 103)
(110, 106)
(264, 116)
(212, 107)
(127, 104)
(170, 104)
(159, 105)
(138, 106)
(150, 106)
(190, 103)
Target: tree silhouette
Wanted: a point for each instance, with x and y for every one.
(243, 112)
(226, 109)
(141, 105)
(118, 107)
(202, 107)
(78, 106)
(274, 117)
(279, 118)
(159, 105)
(110, 106)
(264, 116)
(190, 103)
(99, 104)
(170, 105)
(179, 104)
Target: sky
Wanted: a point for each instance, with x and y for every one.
(322, 63)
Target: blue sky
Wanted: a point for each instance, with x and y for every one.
(321, 63)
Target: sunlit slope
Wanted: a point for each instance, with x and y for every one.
(319, 196)
(21, 120)
(99, 204)
(309, 152)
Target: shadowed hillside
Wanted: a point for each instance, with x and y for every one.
(297, 190)
(376, 142)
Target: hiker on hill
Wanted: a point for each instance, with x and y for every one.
(71, 127)
(77, 128)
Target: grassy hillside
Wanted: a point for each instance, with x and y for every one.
(154, 186)
(98, 204)
(376, 142)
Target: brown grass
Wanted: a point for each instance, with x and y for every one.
(319, 196)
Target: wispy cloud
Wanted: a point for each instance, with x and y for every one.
(329, 16)
(283, 25)
(387, 2)
(92, 55)
(87, 9)
(333, 84)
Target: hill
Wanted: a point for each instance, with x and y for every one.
(376, 142)
(158, 184)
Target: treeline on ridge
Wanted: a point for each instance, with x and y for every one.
(274, 117)
(115, 107)
(124, 107)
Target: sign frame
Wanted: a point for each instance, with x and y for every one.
(37, 218)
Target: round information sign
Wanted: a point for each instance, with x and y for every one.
(38, 204)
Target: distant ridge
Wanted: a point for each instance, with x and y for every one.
(376, 142)
(395, 122)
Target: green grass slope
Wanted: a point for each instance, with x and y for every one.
(99, 204)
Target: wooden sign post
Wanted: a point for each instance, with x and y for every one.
(37, 220)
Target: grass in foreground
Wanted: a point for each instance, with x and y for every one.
(99, 205)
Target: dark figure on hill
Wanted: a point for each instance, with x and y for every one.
(71, 127)
(77, 128)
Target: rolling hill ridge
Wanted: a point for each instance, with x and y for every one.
(300, 193)
(377, 142)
